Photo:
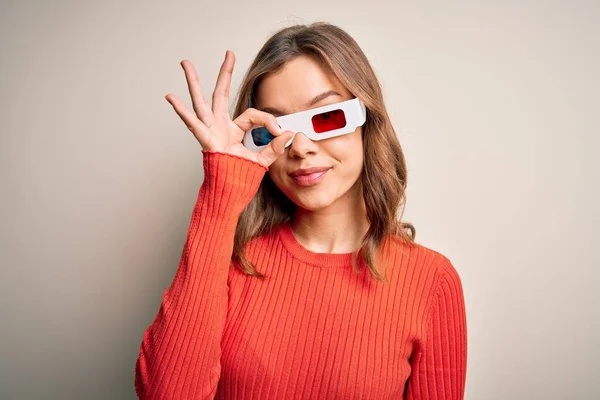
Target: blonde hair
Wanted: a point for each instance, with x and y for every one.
(384, 193)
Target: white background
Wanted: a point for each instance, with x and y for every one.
(496, 106)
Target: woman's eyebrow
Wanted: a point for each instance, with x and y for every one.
(315, 100)
(272, 110)
(320, 97)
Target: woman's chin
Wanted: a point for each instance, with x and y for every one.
(313, 203)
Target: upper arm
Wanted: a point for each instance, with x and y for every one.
(439, 366)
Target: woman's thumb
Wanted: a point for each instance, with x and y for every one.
(280, 141)
(275, 148)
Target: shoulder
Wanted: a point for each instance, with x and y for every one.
(444, 268)
(434, 269)
(420, 256)
(446, 283)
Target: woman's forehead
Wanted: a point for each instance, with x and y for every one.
(297, 84)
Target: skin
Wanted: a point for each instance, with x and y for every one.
(330, 216)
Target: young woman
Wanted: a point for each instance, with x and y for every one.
(297, 278)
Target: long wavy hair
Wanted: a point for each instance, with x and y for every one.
(384, 170)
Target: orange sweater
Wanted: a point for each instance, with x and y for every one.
(312, 329)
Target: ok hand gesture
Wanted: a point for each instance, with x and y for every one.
(214, 129)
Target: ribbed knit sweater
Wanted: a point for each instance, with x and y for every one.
(312, 328)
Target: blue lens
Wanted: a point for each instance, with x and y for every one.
(261, 136)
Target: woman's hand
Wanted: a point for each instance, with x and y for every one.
(214, 128)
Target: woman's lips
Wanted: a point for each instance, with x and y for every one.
(310, 179)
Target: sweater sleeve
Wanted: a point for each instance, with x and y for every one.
(439, 366)
(179, 356)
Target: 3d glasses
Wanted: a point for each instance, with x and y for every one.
(317, 123)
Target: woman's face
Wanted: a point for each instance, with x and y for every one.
(301, 85)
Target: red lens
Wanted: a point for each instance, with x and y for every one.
(329, 121)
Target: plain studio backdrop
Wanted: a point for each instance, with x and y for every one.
(495, 104)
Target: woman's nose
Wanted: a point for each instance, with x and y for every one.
(300, 145)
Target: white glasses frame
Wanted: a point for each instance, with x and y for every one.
(355, 114)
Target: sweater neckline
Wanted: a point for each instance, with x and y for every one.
(290, 242)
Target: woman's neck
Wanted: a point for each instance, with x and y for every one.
(338, 228)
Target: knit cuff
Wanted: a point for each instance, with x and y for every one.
(230, 181)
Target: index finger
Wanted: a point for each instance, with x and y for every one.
(253, 117)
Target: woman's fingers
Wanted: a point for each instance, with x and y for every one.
(274, 149)
(213, 128)
(190, 120)
(253, 117)
(201, 107)
(221, 94)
